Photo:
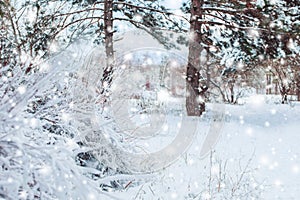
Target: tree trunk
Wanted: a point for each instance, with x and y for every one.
(283, 95)
(208, 72)
(109, 49)
(298, 92)
(298, 86)
(195, 104)
(231, 93)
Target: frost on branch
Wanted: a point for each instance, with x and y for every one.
(38, 137)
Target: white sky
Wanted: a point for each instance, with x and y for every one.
(173, 4)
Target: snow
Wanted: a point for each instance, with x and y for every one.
(255, 151)
(265, 145)
(274, 139)
(60, 139)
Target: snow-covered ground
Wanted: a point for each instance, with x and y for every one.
(272, 133)
(256, 157)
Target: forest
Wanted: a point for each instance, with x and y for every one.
(154, 99)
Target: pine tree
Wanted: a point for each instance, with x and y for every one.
(213, 25)
(238, 31)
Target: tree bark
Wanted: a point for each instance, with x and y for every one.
(231, 87)
(195, 104)
(284, 94)
(108, 31)
(298, 92)
(298, 85)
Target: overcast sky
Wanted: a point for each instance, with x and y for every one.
(173, 4)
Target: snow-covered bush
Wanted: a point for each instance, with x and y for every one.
(38, 137)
